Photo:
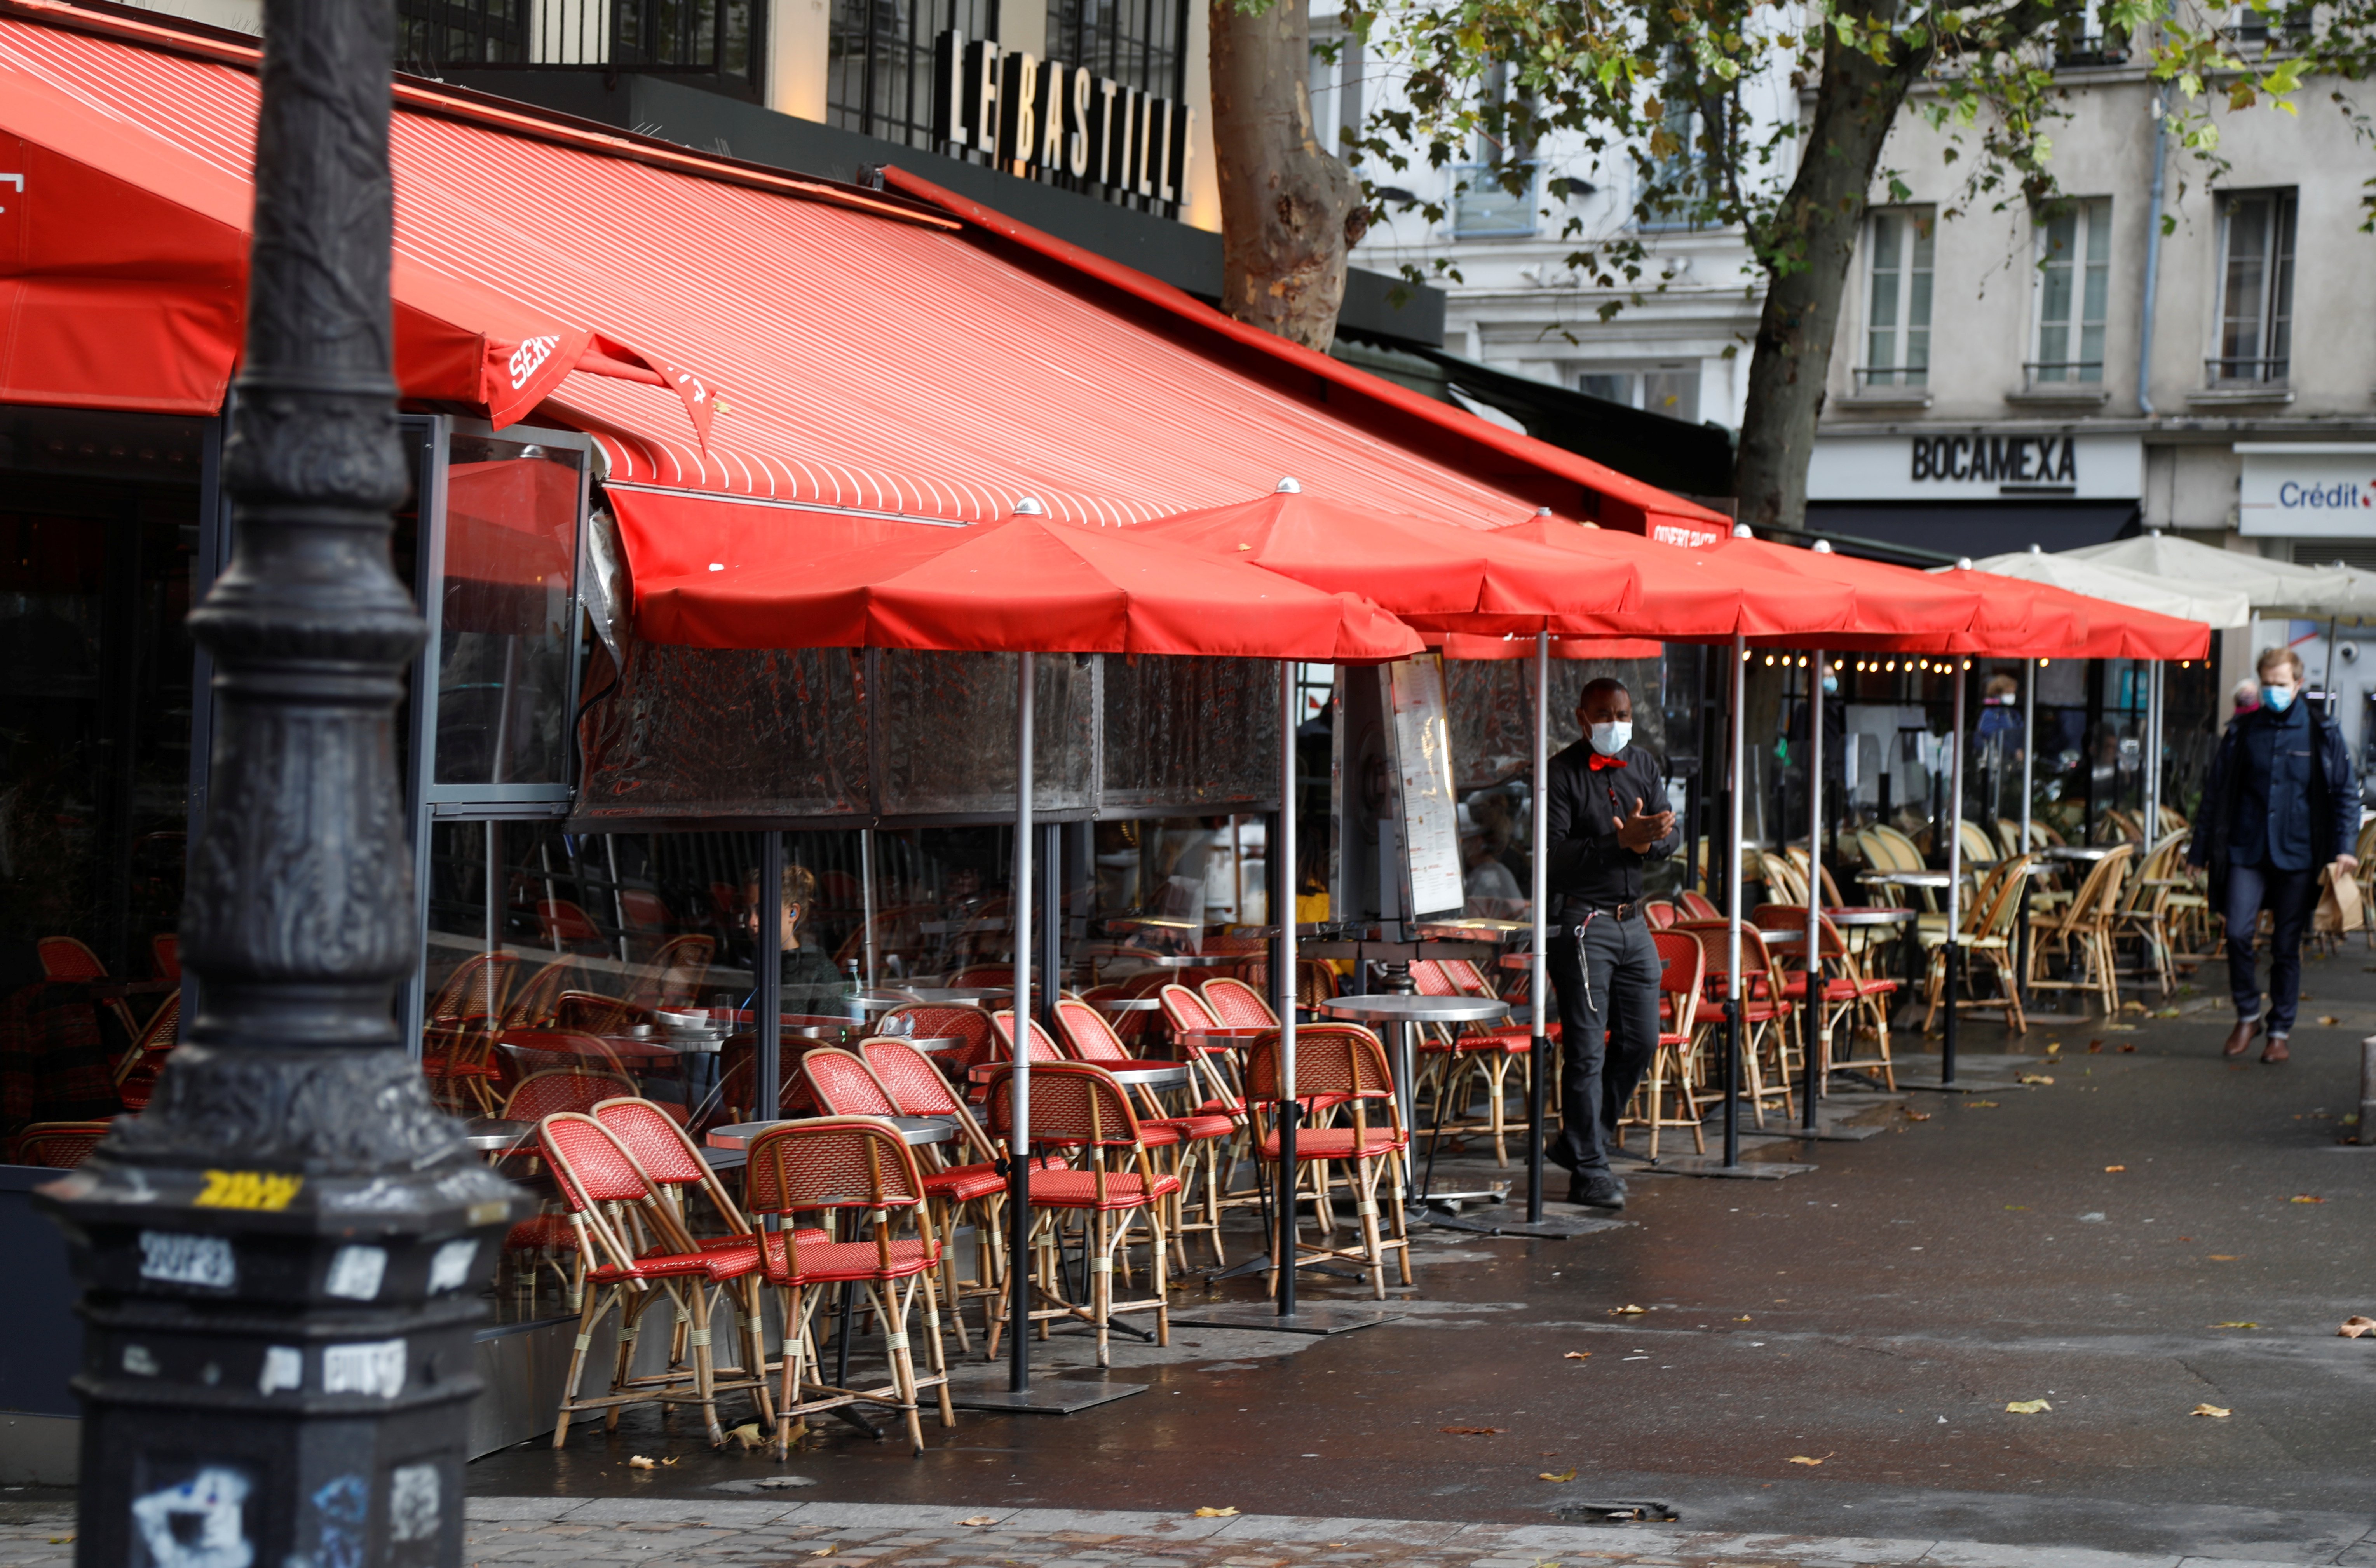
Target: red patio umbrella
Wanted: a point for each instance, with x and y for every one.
(1026, 585)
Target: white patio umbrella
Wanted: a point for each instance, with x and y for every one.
(2279, 588)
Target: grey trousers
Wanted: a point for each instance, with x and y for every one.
(1607, 989)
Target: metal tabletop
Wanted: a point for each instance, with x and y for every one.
(1905, 878)
(874, 1002)
(1415, 1009)
(1878, 914)
(1176, 960)
(1225, 1035)
(492, 1132)
(947, 993)
(1128, 1004)
(1154, 1076)
(916, 1130)
(928, 1044)
(2081, 851)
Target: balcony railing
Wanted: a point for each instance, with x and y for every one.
(716, 44)
(2245, 372)
(1891, 378)
(2050, 374)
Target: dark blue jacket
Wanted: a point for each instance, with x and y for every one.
(2333, 806)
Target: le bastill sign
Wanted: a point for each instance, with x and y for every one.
(1031, 114)
(2308, 490)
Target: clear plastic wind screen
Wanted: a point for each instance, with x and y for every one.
(1490, 711)
(971, 1025)
(1182, 731)
(915, 1087)
(844, 1087)
(825, 1166)
(654, 1140)
(538, 1095)
(865, 361)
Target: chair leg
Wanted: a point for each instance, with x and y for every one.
(596, 1305)
(793, 1303)
(1365, 1173)
(939, 1362)
(1101, 1283)
(1394, 1177)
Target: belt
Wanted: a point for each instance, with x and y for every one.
(1626, 911)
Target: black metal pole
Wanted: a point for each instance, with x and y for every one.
(1538, 986)
(282, 1259)
(767, 996)
(1281, 848)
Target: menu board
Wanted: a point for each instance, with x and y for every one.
(1430, 832)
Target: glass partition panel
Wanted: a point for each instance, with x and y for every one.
(504, 602)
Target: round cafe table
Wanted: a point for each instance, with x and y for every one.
(966, 993)
(729, 1145)
(2088, 853)
(491, 1133)
(1406, 1014)
(1938, 881)
(1128, 1004)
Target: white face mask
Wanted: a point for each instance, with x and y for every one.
(1612, 738)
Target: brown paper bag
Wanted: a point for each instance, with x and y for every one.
(2339, 903)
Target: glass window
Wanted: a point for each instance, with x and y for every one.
(507, 611)
(1669, 389)
(698, 37)
(2256, 287)
(879, 63)
(1898, 248)
(2075, 243)
(1140, 44)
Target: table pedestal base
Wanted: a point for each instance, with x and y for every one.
(1053, 1397)
(1310, 1317)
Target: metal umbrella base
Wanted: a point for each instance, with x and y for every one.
(1309, 1317)
(1051, 1397)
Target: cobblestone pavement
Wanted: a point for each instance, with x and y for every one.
(537, 1532)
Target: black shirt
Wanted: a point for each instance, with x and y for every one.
(1588, 867)
(811, 983)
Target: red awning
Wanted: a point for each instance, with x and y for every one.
(845, 350)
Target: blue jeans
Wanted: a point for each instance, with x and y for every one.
(2288, 896)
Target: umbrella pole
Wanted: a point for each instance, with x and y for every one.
(1284, 986)
(1732, 989)
(1538, 1058)
(2028, 761)
(1948, 961)
(1018, 1137)
(1811, 965)
(767, 997)
(866, 896)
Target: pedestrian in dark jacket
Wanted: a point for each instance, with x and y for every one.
(2279, 807)
(1606, 803)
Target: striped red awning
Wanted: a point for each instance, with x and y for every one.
(844, 350)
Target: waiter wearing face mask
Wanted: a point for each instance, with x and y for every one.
(1607, 799)
(2280, 805)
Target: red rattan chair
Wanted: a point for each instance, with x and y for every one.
(136, 1076)
(939, 1020)
(460, 1032)
(1847, 994)
(674, 976)
(1316, 980)
(567, 925)
(1077, 1105)
(1450, 1059)
(1208, 1135)
(977, 976)
(1668, 1096)
(1697, 907)
(165, 952)
(862, 1169)
(1342, 1060)
(1660, 914)
(538, 1095)
(60, 1145)
(1767, 1046)
(536, 1002)
(1237, 1006)
(68, 959)
(639, 1254)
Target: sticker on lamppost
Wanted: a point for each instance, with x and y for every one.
(364, 1368)
(199, 1523)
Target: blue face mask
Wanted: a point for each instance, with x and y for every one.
(1831, 683)
(2278, 698)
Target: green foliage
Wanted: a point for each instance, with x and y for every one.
(1664, 86)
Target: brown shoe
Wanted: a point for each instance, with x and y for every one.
(2239, 1039)
(2276, 1049)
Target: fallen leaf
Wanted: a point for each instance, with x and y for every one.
(2220, 1257)
(2109, 1169)
(668, 1461)
(1216, 1513)
(2132, 1007)
(824, 1552)
(2119, 1028)
(2167, 1012)
(1740, 1320)
(637, 1462)
(1471, 1431)
(979, 1520)
(1979, 1105)
(2028, 1406)
(2038, 1078)
(2305, 1198)
(748, 1435)
(1567, 1474)
(2352, 1327)
(2210, 1410)
(1802, 1459)
(2094, 1048)
(1625, 1311)
(1577, 1356)
(1917, 1115)
(2128, 1047)
(2329, 1019)
(2235, 1325)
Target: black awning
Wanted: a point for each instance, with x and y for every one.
(1954, 529)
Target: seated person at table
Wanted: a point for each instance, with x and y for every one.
(811, 984)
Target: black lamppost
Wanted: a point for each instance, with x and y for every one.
(282, 1261)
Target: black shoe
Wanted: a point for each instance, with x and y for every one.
(1599, 1191)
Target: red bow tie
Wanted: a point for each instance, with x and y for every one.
(1600, 762)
